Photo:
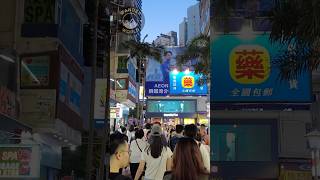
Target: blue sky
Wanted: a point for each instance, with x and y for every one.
(162, 16)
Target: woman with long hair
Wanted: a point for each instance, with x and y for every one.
(156, 157)
(187, 162)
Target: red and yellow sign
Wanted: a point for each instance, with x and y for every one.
(187, 81)
(249, 64)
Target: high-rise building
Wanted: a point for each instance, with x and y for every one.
(173, 37)
(183, 32)
(193, 22)
(169, 39)
(205, 17)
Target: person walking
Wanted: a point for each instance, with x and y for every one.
(191, 131)
(131, 133)
(187, 162)
(179, 134)
(119, 151)
(204, 135)
(157, 157)
(137, 146)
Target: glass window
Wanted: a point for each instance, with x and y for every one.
(121, 84)
(122, 64)
(35, 71)
(241, 142)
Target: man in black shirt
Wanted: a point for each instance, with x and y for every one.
(119, 150)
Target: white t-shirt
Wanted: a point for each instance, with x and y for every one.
(135, 151)
(156, 167)
(205, 156)
(130, 135)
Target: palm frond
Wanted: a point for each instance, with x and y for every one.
(141, 50)
(198, 48)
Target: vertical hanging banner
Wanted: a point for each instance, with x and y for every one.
(244, 70)
(100, 102)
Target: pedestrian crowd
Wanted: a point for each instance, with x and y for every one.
(158, 152)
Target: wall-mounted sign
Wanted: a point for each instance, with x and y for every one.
(75, 86)
(39, 11)
(100, 99)
(244, 71)
(38, 107)
(63, 84)
(121, 95)
(131, 69)
(170, 115)
(35, 71)
(69, 89)
(115, 113)
(19, 161)
(132, 90)
(186, 83)
(132, 20)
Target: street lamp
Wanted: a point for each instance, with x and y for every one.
(314, 142)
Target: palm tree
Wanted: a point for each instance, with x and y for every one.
(198, 48)
(294, 22)
(141, 51)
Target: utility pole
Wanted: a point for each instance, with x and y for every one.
(94, 25)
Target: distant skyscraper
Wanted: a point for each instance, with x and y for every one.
(183, 32)
(193, 21)
(174, 37)
(205, 17)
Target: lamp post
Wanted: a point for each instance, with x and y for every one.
(314, 142)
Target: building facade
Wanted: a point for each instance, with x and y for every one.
(169, 39)
(123, 70)
(174, 37)
(183, 32)
(46, 40)
(273, 131)
(193, 15)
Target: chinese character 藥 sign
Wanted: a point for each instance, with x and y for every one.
(243, 71)
(249, 64)
(186, 84)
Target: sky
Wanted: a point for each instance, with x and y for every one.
(163, 16)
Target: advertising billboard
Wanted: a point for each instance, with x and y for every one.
(163, 78)
(186, 83)
(244, 71)
(19, 161)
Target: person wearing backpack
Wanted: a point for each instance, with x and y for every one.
(157, 157)
(136, 146)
